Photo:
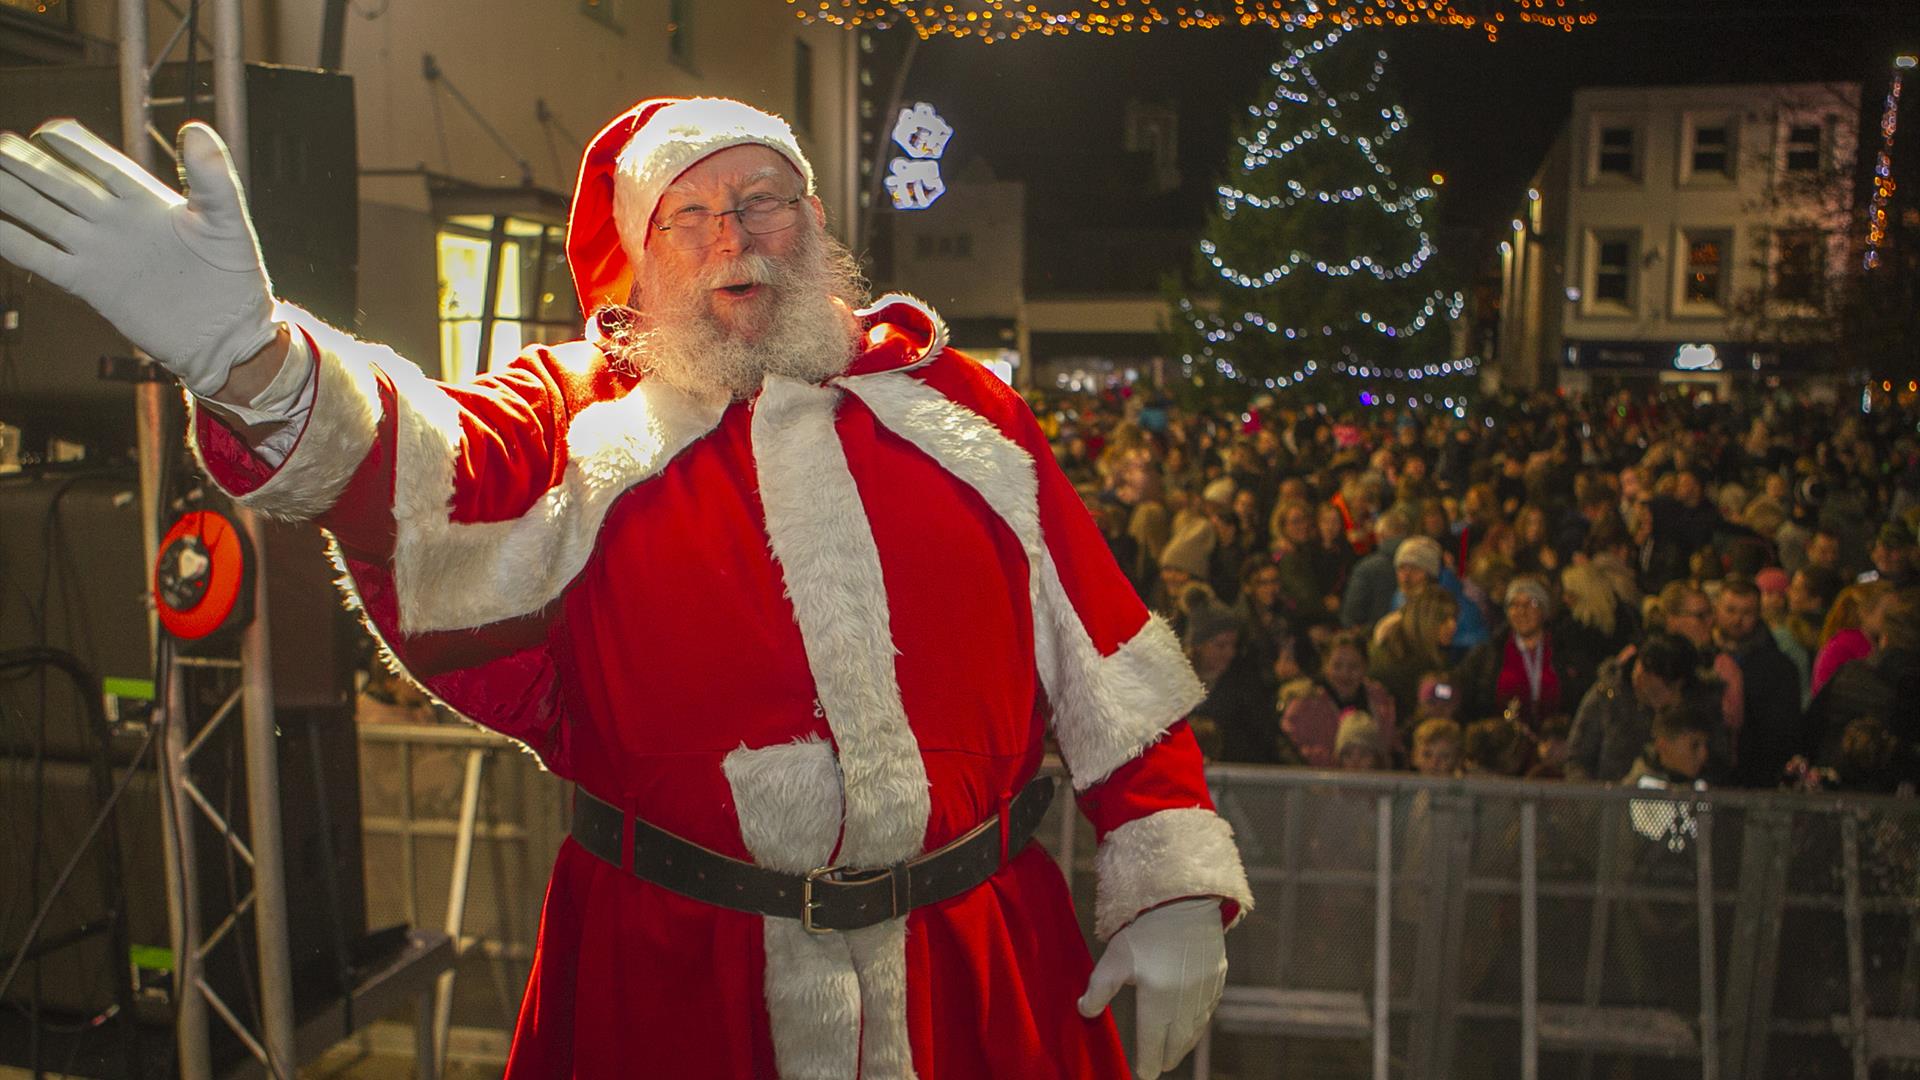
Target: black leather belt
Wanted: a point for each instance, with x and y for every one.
(824, 899)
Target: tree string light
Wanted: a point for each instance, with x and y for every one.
(1009, 20)
(1291, 194)
(1298, 258)
(1217, 330)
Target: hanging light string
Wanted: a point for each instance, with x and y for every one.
(1883, 184)
(1009, 20)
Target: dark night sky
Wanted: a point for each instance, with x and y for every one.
(1048, 111)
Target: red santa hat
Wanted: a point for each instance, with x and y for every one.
(632, 161)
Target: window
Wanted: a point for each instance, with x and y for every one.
(1712, 150)
(54, 13)
(1616, 152)
(802, 87)
(680, 32)
(609, 13)
(533, 298)
(1613, 271)
(1799, 266)
(1705, 272)
(1804, 143)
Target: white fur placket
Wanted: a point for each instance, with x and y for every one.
(1106, 709)
(817, 529)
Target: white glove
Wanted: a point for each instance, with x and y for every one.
(1176, 958)
(181, 278)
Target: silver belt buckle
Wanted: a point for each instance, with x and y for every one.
(806, 899)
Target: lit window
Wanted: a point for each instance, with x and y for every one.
(1803, 147)
(1799, 271)
(1705, 270)
(1616, 152)
(1712, 152)
(1613, 271)
(533, 298)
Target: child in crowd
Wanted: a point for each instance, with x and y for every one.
(1436, 748)
(1678, 753)
(1498, 746)
(1360, 746)
(1551, 749)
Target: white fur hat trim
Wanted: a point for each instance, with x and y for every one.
(677, 137)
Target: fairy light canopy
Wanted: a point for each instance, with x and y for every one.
(1009, 20)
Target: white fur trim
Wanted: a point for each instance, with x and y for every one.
(788, 800)
(1106, 709)
(455, 575)
(835, 999)
(880, 961)
(340, 429)
(674, 139)
(1165, 856)
(936, 344)
(817, 527)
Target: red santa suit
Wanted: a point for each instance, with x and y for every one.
(831, 624)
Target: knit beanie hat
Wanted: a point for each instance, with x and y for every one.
(1357, 728)
(632, 161)
(1207, 617)
(1420, 552)
(1190, 548)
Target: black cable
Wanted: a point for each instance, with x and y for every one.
(64, 661)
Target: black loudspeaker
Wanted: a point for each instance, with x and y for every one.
(73, 577)
(303, 188)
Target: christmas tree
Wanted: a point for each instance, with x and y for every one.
(1316, 274)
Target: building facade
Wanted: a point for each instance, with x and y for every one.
(1682, 233)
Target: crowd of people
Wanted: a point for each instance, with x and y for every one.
(1648, 587)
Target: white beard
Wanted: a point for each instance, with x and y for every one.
(803, 328)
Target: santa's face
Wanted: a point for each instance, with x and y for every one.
(720, 269)
(725, 302)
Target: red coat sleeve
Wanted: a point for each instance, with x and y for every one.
(1117, 682)
(391, 465)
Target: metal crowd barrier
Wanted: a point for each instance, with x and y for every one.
(460, 831)
(1487, 927)
(1403, 926)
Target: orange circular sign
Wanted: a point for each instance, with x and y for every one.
(200, 575)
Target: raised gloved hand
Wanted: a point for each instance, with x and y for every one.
(1176, 957)
(180, 277)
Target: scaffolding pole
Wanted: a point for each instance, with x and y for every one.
(256, 653)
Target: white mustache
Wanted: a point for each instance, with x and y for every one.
(745, 270)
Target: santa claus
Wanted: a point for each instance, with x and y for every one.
(791, 591)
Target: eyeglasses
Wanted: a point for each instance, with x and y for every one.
(693, 227)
